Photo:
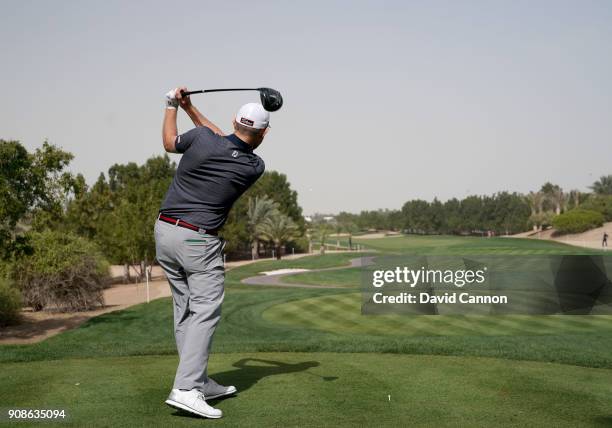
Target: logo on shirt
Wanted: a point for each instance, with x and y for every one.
(235, 154)
(246, 121)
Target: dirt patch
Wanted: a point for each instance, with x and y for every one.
(37, 326)
(589, 239)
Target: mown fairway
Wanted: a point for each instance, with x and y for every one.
(321, 389)
(307, 357)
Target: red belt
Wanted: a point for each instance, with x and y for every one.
(181, 223)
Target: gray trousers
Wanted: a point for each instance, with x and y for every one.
(193, 263)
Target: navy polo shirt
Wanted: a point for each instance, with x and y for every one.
(212, 174)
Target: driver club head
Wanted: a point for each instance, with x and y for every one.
(271, 99)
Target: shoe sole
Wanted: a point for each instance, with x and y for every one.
(230, 392)
(180, 406)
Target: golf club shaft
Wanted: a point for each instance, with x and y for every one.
(203, 91)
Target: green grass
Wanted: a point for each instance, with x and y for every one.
(439, 370)
(349, 277)
(320, 389)
(234, 276)
(436, 246)
(147, 330)
(340, 313)
(455, 245)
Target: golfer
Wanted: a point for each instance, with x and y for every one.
(213, 172)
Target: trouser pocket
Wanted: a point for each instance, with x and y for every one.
(203, 252)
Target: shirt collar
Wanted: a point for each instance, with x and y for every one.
(236, 140)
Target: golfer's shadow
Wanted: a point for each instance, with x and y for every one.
(246, 375)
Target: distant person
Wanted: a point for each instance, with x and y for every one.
(604, 241)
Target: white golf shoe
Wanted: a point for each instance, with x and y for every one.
(213, 390)
(192, 401)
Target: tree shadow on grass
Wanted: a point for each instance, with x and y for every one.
(245, 375)
(111, 318)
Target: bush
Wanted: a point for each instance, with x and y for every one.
(577, 220)
(64, 271)
(10, 303)
(601, 204)
(542, 220)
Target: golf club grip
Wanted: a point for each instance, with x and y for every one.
(184, 94)
(202, 91)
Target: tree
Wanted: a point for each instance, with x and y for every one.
(511, 213)
(553, 197)
(536, 201)
(275, 186)
(599, 203)
(278, 229)
(452, 210)
(603, 186)
(416, 215)
(119, 214)
(34, 188)
(261, 209)
(321, 230)
(344, 224)
(472, 214)
(85, 213)
(574, 198)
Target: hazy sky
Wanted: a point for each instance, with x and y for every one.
(384, 101)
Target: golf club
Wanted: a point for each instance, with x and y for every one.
(271, 99)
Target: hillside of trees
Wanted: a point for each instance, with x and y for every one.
(502, 213)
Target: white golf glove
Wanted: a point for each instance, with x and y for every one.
(171, 101)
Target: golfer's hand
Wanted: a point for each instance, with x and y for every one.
(171, 101)
(184, 101)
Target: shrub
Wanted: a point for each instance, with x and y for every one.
(577, 220)
(542, 220)
(10, 303)
(599, 203)
(64, 271)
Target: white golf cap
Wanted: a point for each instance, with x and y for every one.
(253, 115)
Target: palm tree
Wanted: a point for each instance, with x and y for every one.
(558, 199)
(535, 201)
(573, 199)
(260, 209)
(322, 230)
(603, 186)
(278, 229)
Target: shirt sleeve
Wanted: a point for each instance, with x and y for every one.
(184, 141)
